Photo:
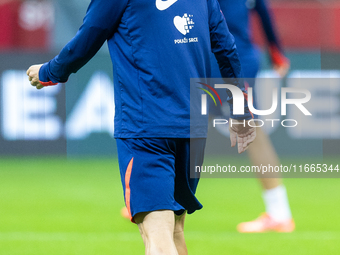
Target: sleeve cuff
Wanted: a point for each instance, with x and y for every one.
(43, 76)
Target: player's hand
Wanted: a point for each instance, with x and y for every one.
(33, 76)
(281, 64)
(243, 134)
(282, 69)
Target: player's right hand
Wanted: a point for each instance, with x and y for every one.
(33, 76)
(241, 133)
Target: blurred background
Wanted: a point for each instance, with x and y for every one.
(60, 191)
(35, 31)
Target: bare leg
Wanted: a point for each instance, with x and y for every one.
(278, 215)
(157, 230)
(261, 151)
(179, 235)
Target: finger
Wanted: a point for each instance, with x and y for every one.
(252, 136)
(39, 86)
(30, 78)
(28, 71)
(245, 145)
(35, 83)
(240, 148)
(233, 138)
(247, 141)
(240, 144)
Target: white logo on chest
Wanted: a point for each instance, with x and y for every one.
(184, 24)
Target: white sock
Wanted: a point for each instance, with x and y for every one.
(276, 203)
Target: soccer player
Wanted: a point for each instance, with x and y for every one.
(278, 216)
(156, 47)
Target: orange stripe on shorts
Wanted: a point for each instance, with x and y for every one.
(127, 186)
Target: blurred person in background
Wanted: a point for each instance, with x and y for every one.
(237, 13)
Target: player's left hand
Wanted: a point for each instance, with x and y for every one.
(282, 69)
(281, 64)
(243, 134)
(33, 76)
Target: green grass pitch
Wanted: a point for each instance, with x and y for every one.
(56, 206)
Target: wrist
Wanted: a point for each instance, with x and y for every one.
(44, 77)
